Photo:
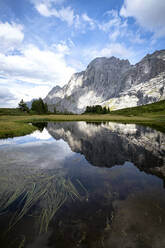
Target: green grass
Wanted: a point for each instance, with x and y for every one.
(152, 115)
(11, 111)
(153, 108)
(10, 127)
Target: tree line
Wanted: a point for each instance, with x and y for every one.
(97, 109)
(38, 106)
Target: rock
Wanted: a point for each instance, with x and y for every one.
(113, 83)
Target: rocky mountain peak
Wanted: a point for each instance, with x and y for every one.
(113, 83)
(110, 61)
(156, 55)
(56, 89)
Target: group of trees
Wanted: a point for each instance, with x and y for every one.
(38, 106)
(97, 109)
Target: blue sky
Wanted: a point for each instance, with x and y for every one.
(43, 42)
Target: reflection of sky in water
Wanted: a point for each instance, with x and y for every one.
(34, 137)
(123, 198)
(41, 150)
(37, 149)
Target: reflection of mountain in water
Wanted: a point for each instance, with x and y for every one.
(112, 144)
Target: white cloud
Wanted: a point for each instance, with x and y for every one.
(29, 72)
(48, 2)
(88, 20)
(43, 9)
(51, 8)
(48, 8)
(44, 135)
(30, 93)
(77, 22)
(113, 49)
(62, 47)
(114, 35)
(36, 66)
(6, 97)
(114, 21)
(11, 36)
(12, 91)
(32, 73)
(66, 14)
(115, 26)
(149, 14)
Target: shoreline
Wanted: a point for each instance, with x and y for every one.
(12, 126)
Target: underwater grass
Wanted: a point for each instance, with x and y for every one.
(60, 191)
(41, 191)
(22, 244)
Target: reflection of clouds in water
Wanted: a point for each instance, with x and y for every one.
(44, 135)
(138, 199)
(121, 128)
(27, 139)
(43, 153)
(4, 142)
(112, 143)
(91, 129)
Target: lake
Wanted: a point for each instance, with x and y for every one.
(86, 185)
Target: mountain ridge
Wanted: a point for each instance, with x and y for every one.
(112, 82)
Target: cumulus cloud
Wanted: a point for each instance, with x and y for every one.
(36, 66)
(149, 14)
(11, 36)
(25, 70)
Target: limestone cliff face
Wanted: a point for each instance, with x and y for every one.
(113, 83)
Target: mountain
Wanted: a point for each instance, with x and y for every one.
(113, 83)
(118, 142)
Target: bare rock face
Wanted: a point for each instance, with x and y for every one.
(113, 83)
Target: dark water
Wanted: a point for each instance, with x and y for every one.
(74, 184)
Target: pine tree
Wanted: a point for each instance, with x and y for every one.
(23, 106)
(39, 106)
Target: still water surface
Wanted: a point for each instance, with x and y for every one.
(87, 185)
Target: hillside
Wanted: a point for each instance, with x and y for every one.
(148, 109)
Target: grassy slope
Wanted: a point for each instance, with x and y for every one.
(152, 115)
(153, 108)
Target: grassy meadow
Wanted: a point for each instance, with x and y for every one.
(14, 123)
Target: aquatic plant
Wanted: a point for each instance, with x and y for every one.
(37, 189)
(60, 190)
